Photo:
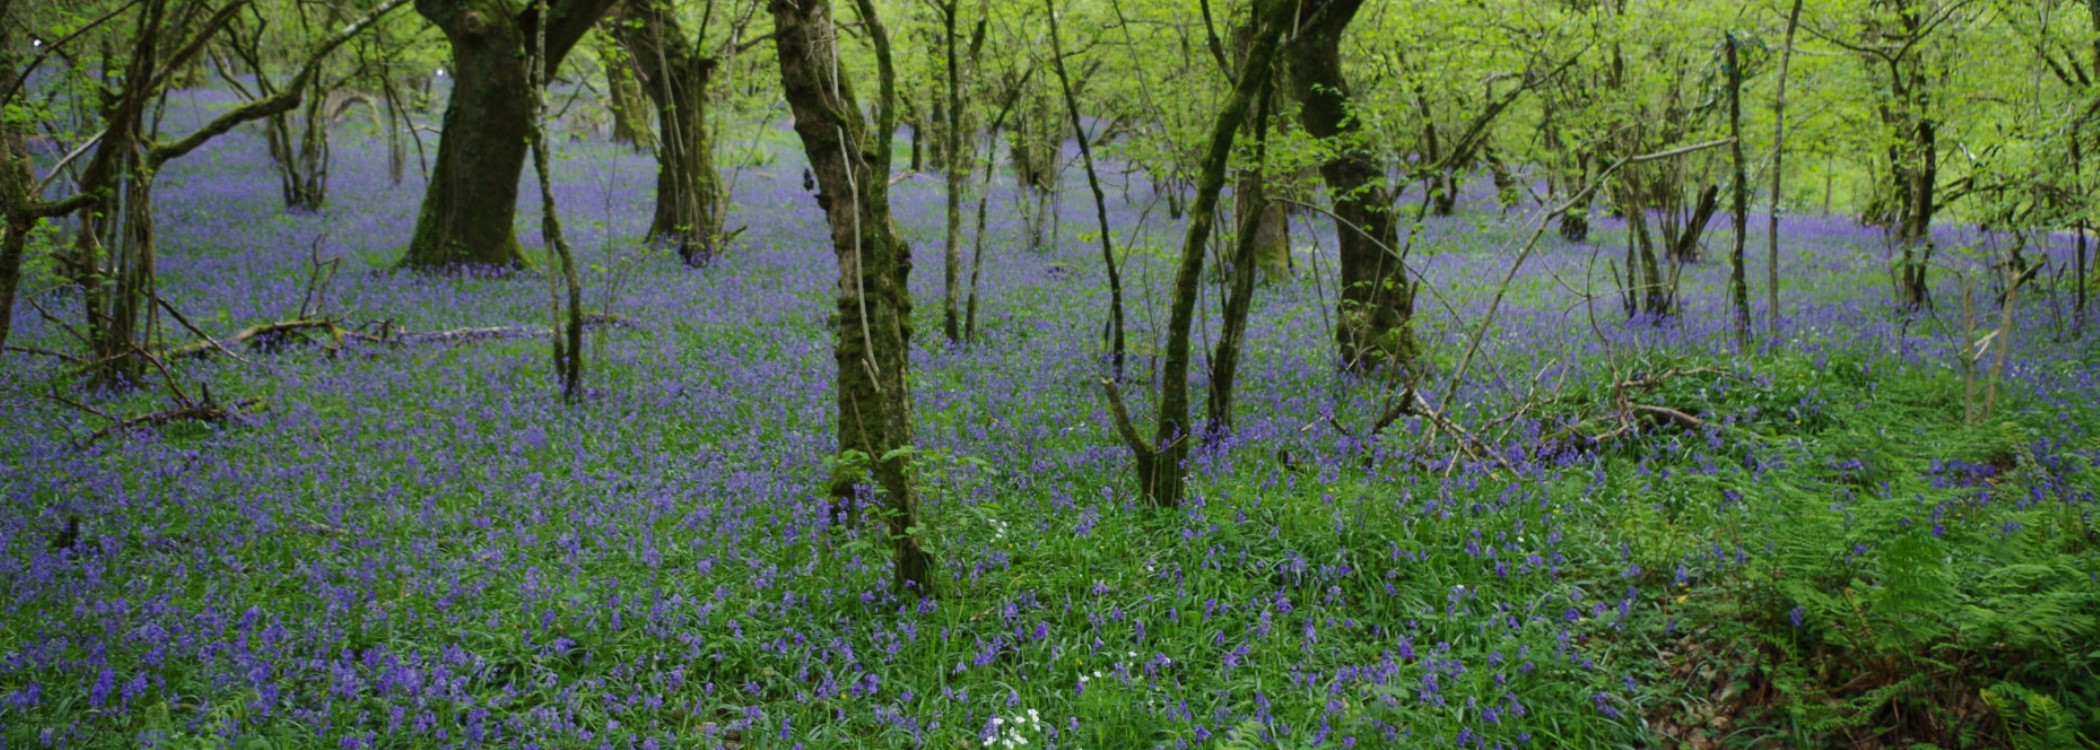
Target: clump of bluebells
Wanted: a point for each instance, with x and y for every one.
(427, 547)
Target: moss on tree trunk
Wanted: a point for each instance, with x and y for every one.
(1375, 322)
(470, 208)
(675, 77)
(872, 322)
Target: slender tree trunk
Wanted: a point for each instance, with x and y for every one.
(1272, 229)
(872, 323)
(957, 168)
(1739, 190)
(1374, 323)
(568, 355)
(1160, 461)
(1247, 250)
(675, 76)
(1113, 333)
(1786, 58)
(471, 203)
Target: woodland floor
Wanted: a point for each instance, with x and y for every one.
(422, 545)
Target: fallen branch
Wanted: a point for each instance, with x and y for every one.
(272, 336)
(185, 321)
(456, 335)
(264, 336)
(199, 413)
(46, 353)
(1667, 414)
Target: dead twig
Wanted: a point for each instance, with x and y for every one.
(185, 321)
(212, 413)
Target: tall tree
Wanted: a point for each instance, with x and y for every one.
(1375, 322)
(472, 200)
(872, 323)
(1786, 59)
(956, 166)
(1739, 193)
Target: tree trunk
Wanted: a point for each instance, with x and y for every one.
(1160, 461)
(623, 94)
(956, 168)
(675, 75)
(471, 204)
(872, 323)
(1248, 246)
(1444, 187)
(1271, 230)
(17, 189)
(1786, 58)
(1739, 190)
(299, 150)
(1375, 319)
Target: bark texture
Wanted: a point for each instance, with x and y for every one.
(675, 75)
(1160, 461)
(872, 323)
(470, 209)
(1375, 322)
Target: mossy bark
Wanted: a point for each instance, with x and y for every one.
(675, 76)
(1375, 322)
(872, 322)
(624, 98)
(1160, 464)
(470, 208)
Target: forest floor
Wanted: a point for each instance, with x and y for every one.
(423, 545)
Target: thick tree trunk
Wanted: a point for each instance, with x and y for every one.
(1271, 230)
(872, 323)
(1375, 321)
(675, 76)
(470, 207)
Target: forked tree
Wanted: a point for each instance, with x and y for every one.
(472, 201)
(1161, 457)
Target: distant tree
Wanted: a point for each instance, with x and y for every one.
(119, 287)
(675, 72)
(1897, 42)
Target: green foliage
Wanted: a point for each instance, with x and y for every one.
(1901, 562)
